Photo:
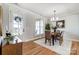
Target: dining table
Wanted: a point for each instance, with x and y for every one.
(54, 37)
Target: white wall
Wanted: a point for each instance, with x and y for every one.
(5, 18)
(29, 21)
(29, 25)
(71, 29)
(71, 21)
(72, 25)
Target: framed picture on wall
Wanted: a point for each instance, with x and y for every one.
(60, 24)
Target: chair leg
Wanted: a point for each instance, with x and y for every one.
(55, 39)
(52, 40)
(49, 42)
(45, 41)
(60, 41)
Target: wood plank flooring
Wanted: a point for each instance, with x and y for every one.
(32, 48)
(75, 48)
(26, 48)
(12, 49)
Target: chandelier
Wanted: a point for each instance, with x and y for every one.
(54, 18)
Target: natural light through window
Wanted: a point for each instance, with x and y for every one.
(39, 27)
(18, 27)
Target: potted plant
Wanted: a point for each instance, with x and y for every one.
(47, 27)
(8, 39)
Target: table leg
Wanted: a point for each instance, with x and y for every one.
(52, 39)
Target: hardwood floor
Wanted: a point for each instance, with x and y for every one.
(12, 49)
(26, 48)
(75, 48)
(32, 48)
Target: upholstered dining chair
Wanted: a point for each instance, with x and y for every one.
(60, 37)
(48, 37)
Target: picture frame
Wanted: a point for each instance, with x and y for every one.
(60, 24)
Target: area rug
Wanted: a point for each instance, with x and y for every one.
(64, 49)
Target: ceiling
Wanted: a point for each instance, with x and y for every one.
(46, 9)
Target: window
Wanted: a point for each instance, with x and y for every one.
(39, 27)
(17, 26)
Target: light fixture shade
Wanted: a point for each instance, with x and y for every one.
(54, 18)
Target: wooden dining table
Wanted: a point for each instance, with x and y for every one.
(53, 36)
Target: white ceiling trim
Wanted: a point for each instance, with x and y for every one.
(25, 10)
(46, 9)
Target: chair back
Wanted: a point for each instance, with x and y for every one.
(48, 34)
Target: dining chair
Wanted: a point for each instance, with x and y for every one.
(60, 37)
(48, 37)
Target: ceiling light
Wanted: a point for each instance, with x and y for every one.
(54, 18)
